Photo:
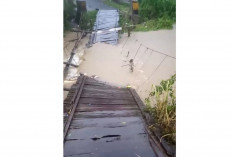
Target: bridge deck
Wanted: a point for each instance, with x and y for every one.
(106, 122)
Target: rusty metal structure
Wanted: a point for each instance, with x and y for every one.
(102, 120)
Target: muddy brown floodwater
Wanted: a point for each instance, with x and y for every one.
(110, 63)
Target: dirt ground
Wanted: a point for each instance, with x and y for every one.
(110, 63)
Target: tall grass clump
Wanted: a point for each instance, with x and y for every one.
(161, 105)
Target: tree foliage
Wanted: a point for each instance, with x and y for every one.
(68, 13)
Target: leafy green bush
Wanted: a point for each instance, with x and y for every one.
(161, 105)
(156, 14)
(151, 9)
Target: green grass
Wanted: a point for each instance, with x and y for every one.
(155, 24)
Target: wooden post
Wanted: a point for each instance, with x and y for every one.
(128, 31)
(129, 28)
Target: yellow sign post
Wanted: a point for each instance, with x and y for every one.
(135, 6)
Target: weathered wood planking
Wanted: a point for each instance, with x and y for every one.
(109, 91)
(102, 114)
(106, 121)
(105, 88)
(92, 83)
(104, 101)
(105, 108)
(106, 96)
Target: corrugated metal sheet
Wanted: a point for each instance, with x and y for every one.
(106, 20)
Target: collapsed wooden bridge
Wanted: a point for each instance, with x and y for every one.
(106, 121)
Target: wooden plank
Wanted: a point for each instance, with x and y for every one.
(74, 107)
(105, 87)
(104, 101)
(93, 81)
(107, 108)
(96, 86)
(99, 84)
(95, 91)
(106, 91)
(110, 122)
(106, 96)
(103, 114)
(106, 105)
